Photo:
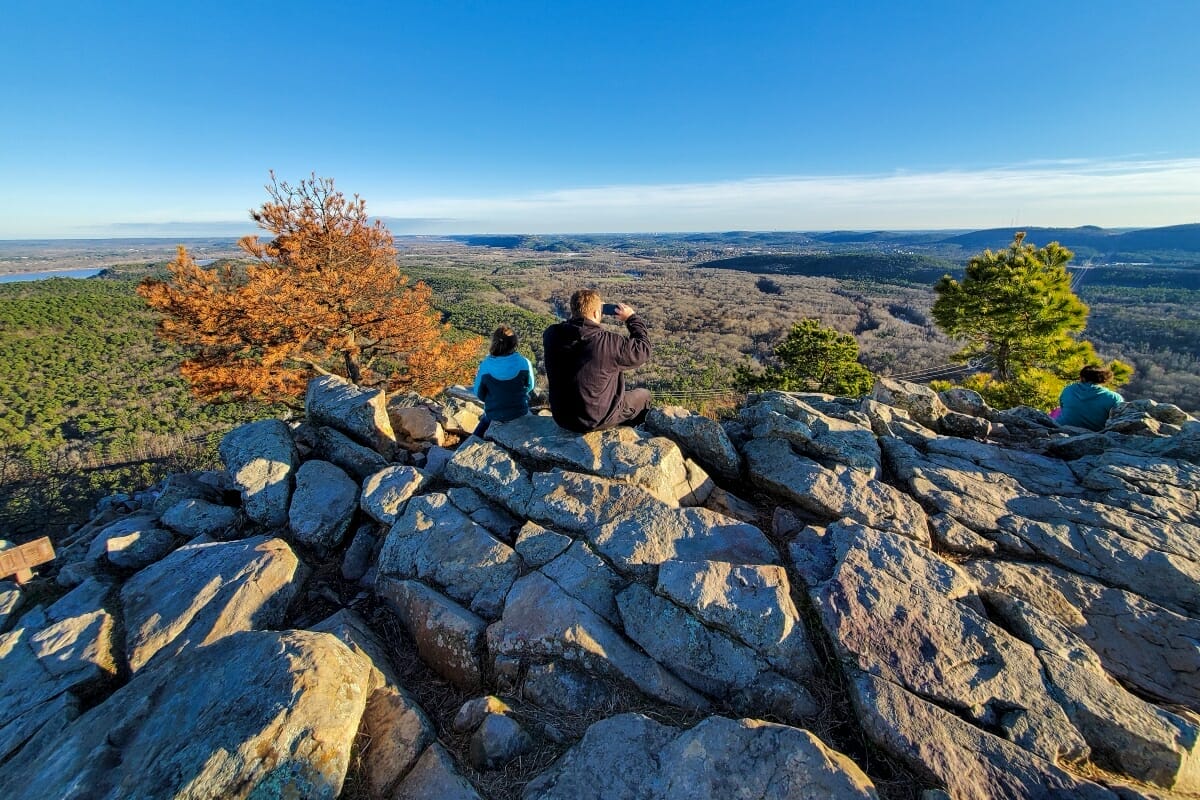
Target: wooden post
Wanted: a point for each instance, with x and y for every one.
(20, 561)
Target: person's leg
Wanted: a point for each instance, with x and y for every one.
(634, 405)
(482, 427)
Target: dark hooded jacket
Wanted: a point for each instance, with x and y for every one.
(584, 363)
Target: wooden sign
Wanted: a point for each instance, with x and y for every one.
(20, 560)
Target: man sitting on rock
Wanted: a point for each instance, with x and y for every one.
(584, 364)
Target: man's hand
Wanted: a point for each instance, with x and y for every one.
(624, 312)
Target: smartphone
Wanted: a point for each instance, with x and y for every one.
(609, 309)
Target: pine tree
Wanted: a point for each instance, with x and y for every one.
(1019, 317)
(324, 294)
(811, 358)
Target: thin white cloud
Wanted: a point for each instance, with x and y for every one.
(1129, 193)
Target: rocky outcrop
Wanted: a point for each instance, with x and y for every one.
(1002, 607)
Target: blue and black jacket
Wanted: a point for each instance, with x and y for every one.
(503, 383)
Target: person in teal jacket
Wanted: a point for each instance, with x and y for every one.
(504, 381)
(1086, 404)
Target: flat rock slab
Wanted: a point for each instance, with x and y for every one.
(438, 543)
(202, 592)
(718, 758)
(384, 493)
(322, 506)
(575, 502)
(261, 459)
(194, 517)
(493, 472)
(449, 638)
(280, 724)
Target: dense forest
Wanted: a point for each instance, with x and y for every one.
(91, 401)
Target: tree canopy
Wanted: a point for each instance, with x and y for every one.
(1017, 312)
(811, 358)
(324, 294)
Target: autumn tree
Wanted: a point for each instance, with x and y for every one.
(811, 358)
(1019, 317)
(323, 294)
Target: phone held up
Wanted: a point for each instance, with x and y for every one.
(609, 309)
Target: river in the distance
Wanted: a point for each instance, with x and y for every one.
(18, 277)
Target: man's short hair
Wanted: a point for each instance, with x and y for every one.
(504, 341)
(1095, 373)
(585, 303)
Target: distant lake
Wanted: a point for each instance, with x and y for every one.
(19, 277)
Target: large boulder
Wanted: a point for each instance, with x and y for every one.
(322, 506)
(385, 493)
(921, 402)
(493, 472)
(203, 592)
(279, 723)
(843, 439)
(359, 413)
(449, 638)
(699, 437)
(261, 460)
(194, 517)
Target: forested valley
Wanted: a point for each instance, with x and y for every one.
(92, 402)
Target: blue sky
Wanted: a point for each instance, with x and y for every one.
(133, 118)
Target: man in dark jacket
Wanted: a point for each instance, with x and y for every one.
(584, 363)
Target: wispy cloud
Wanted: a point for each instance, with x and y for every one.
(1073, 192)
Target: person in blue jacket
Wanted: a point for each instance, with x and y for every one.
(1086, 404)
(504, 381)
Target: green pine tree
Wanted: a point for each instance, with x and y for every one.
(811, 358)
(1019, 317)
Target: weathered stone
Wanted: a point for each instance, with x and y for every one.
(186, 486)
(261, 460)
(460, 415)
(833, 493)
(436, 459)
(750, 602)
(358, 556)
(705, 659)
(385, 492)
(435, 776)
(896, 611)
(718, 758)
(361, 414)
(575, 502)
(921, 402)
(698, 436)
(434, 541)
(538, 545)
(10, 603)
(282, 726)
(730, 505)
(964, 425)
(322, 506)
(449, 638)
(491, 470)
(542, 621)
(560, 686)
(964, 401)
(139, 549)
(656, 533)
(585, 576)
(942, 748)
(417, 424)
(192, 517)
(472, 713)
(358, 461)
(780, 415)
(201, 593)
(956, 538)
(132, 525)
(498, 740)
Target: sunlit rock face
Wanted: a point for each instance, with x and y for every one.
(1005, 608)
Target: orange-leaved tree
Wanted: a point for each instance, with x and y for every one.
(323, 295)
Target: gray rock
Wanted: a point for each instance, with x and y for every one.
(417, 424)
(491, 470)
(964, 401)
(203, 592)
(586, 577)
(965, 426)
(261, 460)
(132, 525)
(359, 413)
(195, 517)
(498, 740)
(358, 556)
(656, 533)
(750, 602)
(541, 621)
(322, 506)
(571, 501)
(833, 493)
(942, 748)
(955, 538)
(187, 486)
(139, 549)
(460, 415)
(436, 542)
(730, 505)
(921, 402)
(337, 448)
(718, 758)
(838, 440)
(705, 659)
(436, 459)
(472, 713)
(538, 545)
(562, 687)
(10, 603)
(66, 648)
(282, 726)
(435, 776)
(699, 437)
(449, 638)
(385, 492)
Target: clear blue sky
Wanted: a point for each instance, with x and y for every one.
(133, 118)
